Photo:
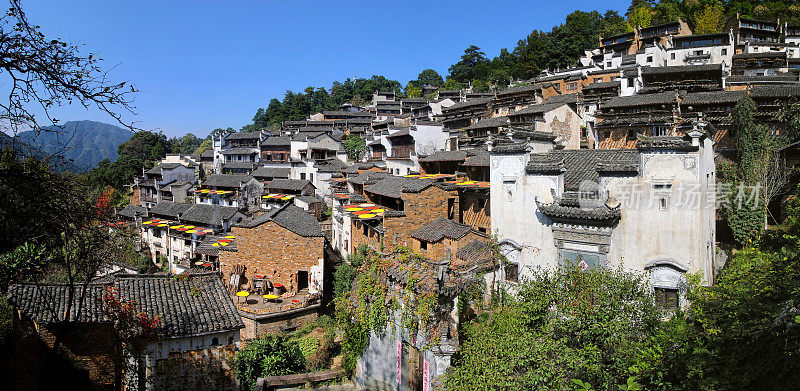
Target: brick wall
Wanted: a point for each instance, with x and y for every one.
(373, 238)
(420, 209)
(268, 248)
(439, 250)
(475, 210)
(134, 198)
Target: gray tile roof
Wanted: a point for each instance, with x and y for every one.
(738, 56)
(239, 165)
(170, 209)
(712, 97)
(670, 143)
(780, 91)
(368, 177)
(288, 184)
(244, 136)
(277, 141)
(479, 159)
(196, 304)
(580, 165)
(226, 180)
(602, 85)
(485, 123)
(575, 214)
(239, 151)
(445, 156)
(163, 166)
(469, 103)
(290, 217)
(208, 214)
(665, 98)
(207, 153)
(775, 78)
(477, 254)
(132, 211)
(394, 186)
(270, 172)
(441, 228)
(332, 165)
(548, 105)
(680, 69)
(519, 90)
(512, 147)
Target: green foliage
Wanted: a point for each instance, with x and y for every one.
(413, 91)
(206, 145)
(428, 78)
(270, 355)
(370, 304)
(316, 348)
(355, 146)
(710, 19)
(343, 279)
(451, 85)
(564, 326)
(299, 105)
(185, 145)
(473, 66)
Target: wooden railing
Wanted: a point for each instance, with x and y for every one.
(271, 382)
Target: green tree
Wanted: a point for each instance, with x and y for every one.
(710, 19)
(270, 355)
(429, 78)
(640, 16)
(413, 91)
(473, 66)
(564, 325)
(451, 85)
(206, 145)
(355, 146)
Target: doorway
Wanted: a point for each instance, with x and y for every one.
(302, 280)
(411, 370)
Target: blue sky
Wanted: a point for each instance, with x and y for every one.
(208, 64)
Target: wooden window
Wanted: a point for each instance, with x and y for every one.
(512, 272)
(423, 245)
(667, 298)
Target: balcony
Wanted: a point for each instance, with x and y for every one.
(149, 198)
(697, 57)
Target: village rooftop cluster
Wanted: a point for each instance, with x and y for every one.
(261, 219)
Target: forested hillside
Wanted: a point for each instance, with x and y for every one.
(84, 143)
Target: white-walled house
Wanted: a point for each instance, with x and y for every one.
(649, 210)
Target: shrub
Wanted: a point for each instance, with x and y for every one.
(270, 355)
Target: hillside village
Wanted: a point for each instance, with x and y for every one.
(608, 164)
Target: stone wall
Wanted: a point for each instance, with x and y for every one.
(90, 349)
(275, 323)
(272, 250)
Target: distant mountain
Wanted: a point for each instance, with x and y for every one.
(84, 143)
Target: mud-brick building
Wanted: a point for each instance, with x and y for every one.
(407, 204)
(443, 238)
(199, 329)
(282, 252)
(285, 245)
